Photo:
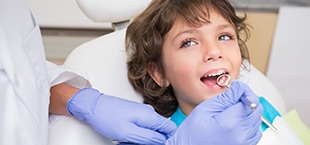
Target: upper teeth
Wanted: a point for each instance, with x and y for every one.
(220, 72)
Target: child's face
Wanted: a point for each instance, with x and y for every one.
(190, 54)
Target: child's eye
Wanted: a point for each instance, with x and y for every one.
(225, 37)
(187, 43)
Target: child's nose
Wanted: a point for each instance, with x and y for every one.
(212, 53)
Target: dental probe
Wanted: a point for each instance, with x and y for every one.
(273, 128)
(224, 80)
(253, 107)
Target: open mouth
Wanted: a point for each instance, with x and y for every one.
(211, 79)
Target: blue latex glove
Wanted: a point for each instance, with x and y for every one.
(222, 120)
(119, 119)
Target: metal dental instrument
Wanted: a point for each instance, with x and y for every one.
(273, 128)
(224, 80)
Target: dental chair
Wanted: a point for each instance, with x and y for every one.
(104, 61)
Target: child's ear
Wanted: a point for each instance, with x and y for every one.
(157, 76)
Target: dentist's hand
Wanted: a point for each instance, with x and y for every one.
(222, 120)
(119, 119)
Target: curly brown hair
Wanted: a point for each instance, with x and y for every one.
(145, 37)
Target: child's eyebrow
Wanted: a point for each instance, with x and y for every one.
(224, 26)
(193, 30)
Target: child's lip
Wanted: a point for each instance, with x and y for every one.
(215, 72)
(219, 72)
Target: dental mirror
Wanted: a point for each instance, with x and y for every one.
(224, 80)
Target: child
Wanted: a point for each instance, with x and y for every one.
(178, 48)
(182, 42)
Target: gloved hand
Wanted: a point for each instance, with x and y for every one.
(119, 119)
(222, 120)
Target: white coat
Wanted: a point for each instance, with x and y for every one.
(24, 85)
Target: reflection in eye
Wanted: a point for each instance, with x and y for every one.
(187, 43)
(225, 37)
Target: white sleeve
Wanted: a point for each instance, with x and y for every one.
(60, 74)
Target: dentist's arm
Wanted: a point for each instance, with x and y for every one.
(116, 118)
(222, 120)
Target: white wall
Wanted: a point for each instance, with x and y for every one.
(289, 63)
